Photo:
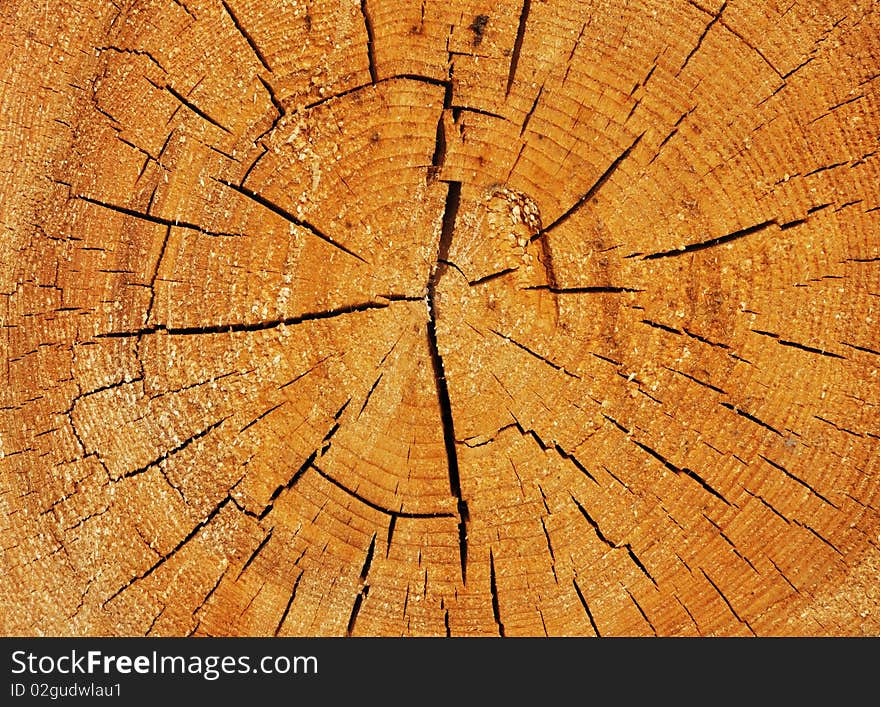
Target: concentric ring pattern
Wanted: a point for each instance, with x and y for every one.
(440, 318)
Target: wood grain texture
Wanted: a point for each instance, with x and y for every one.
(454, 318)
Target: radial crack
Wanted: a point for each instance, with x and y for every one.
(592, 191)
(364, 590)
(589, 613)
(798, 480)
(702, 37)
(453, 197)
(195, 109)
(517, 45)
(157, 219)
(371, 42)
(247, 37)
(174, 450)
(796, 345)
(171, 553)
(735, 235)
(588, 290)
(493, 588)
(668, 464)
(289, 604)
(231, 327)
(613, 545)
(536, 355)
(727, 602)
(287, 216)
(256, 552)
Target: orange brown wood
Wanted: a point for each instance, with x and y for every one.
(439, 318)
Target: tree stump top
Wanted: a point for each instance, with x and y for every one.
(439, 318)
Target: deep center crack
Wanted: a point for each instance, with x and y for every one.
(441, 265)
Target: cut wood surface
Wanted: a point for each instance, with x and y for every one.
(453, 318)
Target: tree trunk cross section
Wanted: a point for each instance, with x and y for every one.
(439, 318)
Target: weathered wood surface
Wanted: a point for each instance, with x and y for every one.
(460, 318)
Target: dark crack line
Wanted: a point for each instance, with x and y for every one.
(720, 240)
(265, 151)
(177, 548)
(705, 340)
(369, 395)
(592, 191)
(838, 427)
(195, 109)
(782, 574)
(492, 276)
(531, 112)
(730, 542)
(453, 197)
(754, 48)
(302, 375)
(289, 604)
(768, 506)
(368, 560)
(696, 380)
(286, 486)
(183, 7)
(796, 345)
(536, 355)
(309, 463)
(391, 523)
(702, 37)
(555, 447)
(672, 133)
(596, 289)
(247, 37)
(287, 216)
(613, 545)
(261, 416)
(493, 588)
(371, 42)
(678, 471)
(727, 602)
(176, 449)
(197, 384)
(442, 83)
(690, 615)
(155, 621)
(116, 384)
(641, 610)
(136, 52)
(439, 156)
(799, 480)
(517, 45)
(751, 418)
(482, 440)
(206, 598)
(365, 588)
(550, 550)
(155, 275)
(157, 219)
(355, 610)
(457, 110)
(233, 327)
(256, 552)
(279, 108)
(820, 537)
(372, 504)
(589, 613)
